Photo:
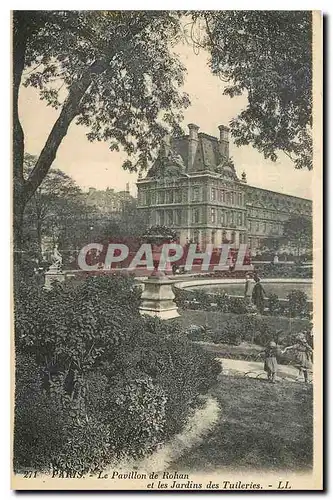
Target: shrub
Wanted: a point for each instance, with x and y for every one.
(38, 419)
(203, 298)
(222, 301)
(181, 297)
(237, 305)
(283, 271)
(273, 304)
(109, 382)
(131, 409)
(247, 328)
(70, 328)
(297, 303)
(180, 368)
(196, 333)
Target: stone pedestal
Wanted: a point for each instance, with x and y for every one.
(158, 297)
(51, 276)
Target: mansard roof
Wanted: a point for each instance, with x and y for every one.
(207, 158)
(277, 201)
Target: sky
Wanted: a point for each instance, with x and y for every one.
(94, 165)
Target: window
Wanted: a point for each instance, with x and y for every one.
(195, 216)
(169, 218)
(249, 223)
(227, 218)
(258, 226)
(213, 237)
(223, 218)
(196, 194)
(178, 217)
(169, 196)
(233, 237)
(161, 197)
(232, 198)
(140, 198)
(224, 236)
(213, 194)
(178, 196)
(160, 217)
(153, 197)
(240, 219)
(240, 199)
(213, 215)
(222, 194)
(232, 218)
(227, 198)
(264, 228)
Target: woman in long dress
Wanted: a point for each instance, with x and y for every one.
(303, 355)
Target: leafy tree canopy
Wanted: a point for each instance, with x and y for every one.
(268, 56)
(298, 231)
(112, 72)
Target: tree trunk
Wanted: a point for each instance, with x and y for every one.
(20, 33)
(18, 232)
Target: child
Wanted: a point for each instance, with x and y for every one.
(303, 355)
(270, 365)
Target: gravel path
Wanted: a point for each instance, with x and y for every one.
(254, 369)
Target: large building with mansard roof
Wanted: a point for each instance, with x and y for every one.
(193, 187)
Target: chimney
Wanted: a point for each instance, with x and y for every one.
(224, 141)
(192, 144)
(166, 144)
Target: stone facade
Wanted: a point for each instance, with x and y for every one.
(193, 187)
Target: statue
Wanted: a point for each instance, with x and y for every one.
(56, 260)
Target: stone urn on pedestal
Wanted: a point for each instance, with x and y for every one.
(157, 298)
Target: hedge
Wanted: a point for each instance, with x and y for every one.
(296, 304)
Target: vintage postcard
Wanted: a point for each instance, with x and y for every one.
(167, 250)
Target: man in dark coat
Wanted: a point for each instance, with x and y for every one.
(258, 295)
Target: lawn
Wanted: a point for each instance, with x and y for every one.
(262, 426)
(215, 319)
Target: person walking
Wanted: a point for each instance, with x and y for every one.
(303, 355)
(258, 295)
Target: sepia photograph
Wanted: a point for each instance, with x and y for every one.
(167, 324)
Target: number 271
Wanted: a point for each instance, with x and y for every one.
(29, 474)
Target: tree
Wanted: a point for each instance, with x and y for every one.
(298, 232)
(273, 243)
(54, 203)
(268, 56)
(111, 71)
